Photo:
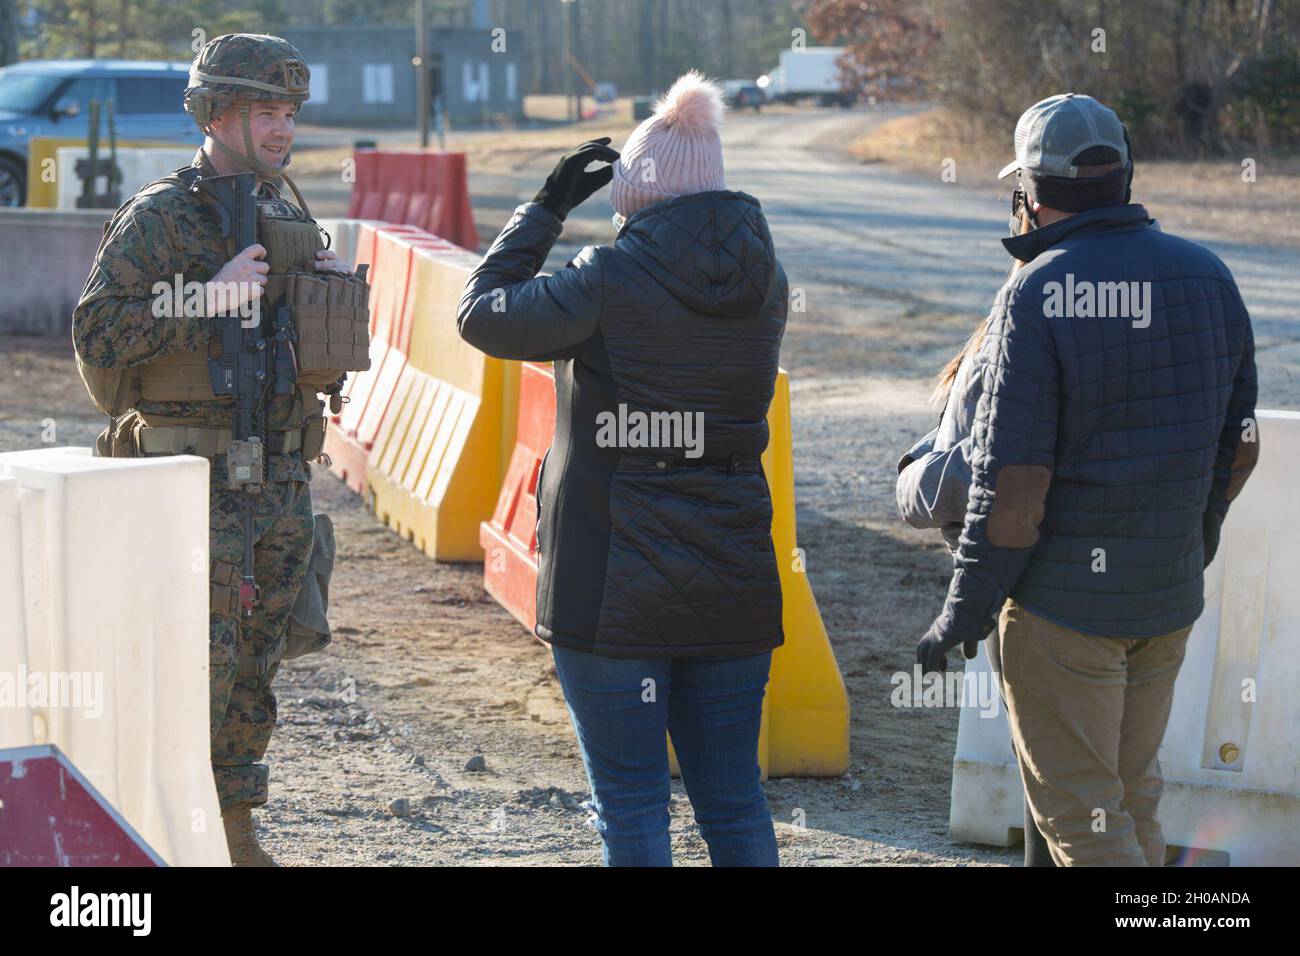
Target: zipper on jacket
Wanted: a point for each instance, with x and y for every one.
(537, 496)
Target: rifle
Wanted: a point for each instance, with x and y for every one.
(255, 355)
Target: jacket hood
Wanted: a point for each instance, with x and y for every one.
(711, 250)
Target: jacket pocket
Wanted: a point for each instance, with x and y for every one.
(1101, 659)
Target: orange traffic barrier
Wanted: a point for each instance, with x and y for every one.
(403, 179)
(425, 433)
(351, 433)
(367, 198)
(509, 539)
(427, 189)
(450, 215)
(439, 456)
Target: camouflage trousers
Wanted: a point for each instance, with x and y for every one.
(243, 709)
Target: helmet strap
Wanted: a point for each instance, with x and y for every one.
(248, 159)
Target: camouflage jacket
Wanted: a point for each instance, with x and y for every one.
(167, 233)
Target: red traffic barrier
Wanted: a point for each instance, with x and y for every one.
(509, 540)
(450, 215)
(428, 189)
(404, 178)
(51, 815)
(368, 190)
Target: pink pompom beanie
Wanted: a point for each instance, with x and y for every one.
(675, 152)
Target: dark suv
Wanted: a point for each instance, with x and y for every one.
(741, 93)
(49, 97)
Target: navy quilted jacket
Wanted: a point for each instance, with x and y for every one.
(651, 542)
(1108, 440)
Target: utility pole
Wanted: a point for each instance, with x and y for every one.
(421, 62)
(564, 60)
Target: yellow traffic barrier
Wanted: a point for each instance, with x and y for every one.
(42, 177)
(440, 454)
(805, 728)
(807, 703)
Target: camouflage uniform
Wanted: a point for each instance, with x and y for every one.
(165, 232)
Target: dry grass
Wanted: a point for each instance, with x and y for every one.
(922, 142)
(1202, 198)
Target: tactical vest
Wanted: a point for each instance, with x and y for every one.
(330, 314)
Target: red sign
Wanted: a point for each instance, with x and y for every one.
(50, 815)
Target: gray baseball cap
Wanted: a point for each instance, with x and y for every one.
(1053, 131)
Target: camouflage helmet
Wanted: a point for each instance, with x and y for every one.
(244, 66)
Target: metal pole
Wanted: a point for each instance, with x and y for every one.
(564, 60)
(575, 24)
(91, 182)
(422, 73)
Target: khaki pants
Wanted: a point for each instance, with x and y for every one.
(1087, 716)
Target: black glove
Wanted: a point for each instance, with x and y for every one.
(932, 655)
(568, 186)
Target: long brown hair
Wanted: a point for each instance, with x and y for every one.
(948, 374)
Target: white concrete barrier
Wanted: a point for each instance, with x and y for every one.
(15, 721)
(45, 256)
(1231, 753)
(343, 235)
(140, 165)
(108, 648)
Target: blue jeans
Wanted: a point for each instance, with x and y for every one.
(621, 710)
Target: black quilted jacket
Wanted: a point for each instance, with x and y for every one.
(649, 550)
(1108, 440)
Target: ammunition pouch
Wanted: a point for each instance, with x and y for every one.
(308, 630)
(313, 429)
(331, 311)
(331, 317)
(224, 601)
(121, 439)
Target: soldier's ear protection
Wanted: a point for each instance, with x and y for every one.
(199, 100)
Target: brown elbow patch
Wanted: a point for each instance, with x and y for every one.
(1018, 501)
(1243, 463)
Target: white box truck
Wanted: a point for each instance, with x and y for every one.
(812, 72)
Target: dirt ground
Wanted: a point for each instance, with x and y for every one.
(432, 730)
(428, 677)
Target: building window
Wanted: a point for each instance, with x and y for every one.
(469, 88)
(320, 83)
(512, 82)
(377, 83)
